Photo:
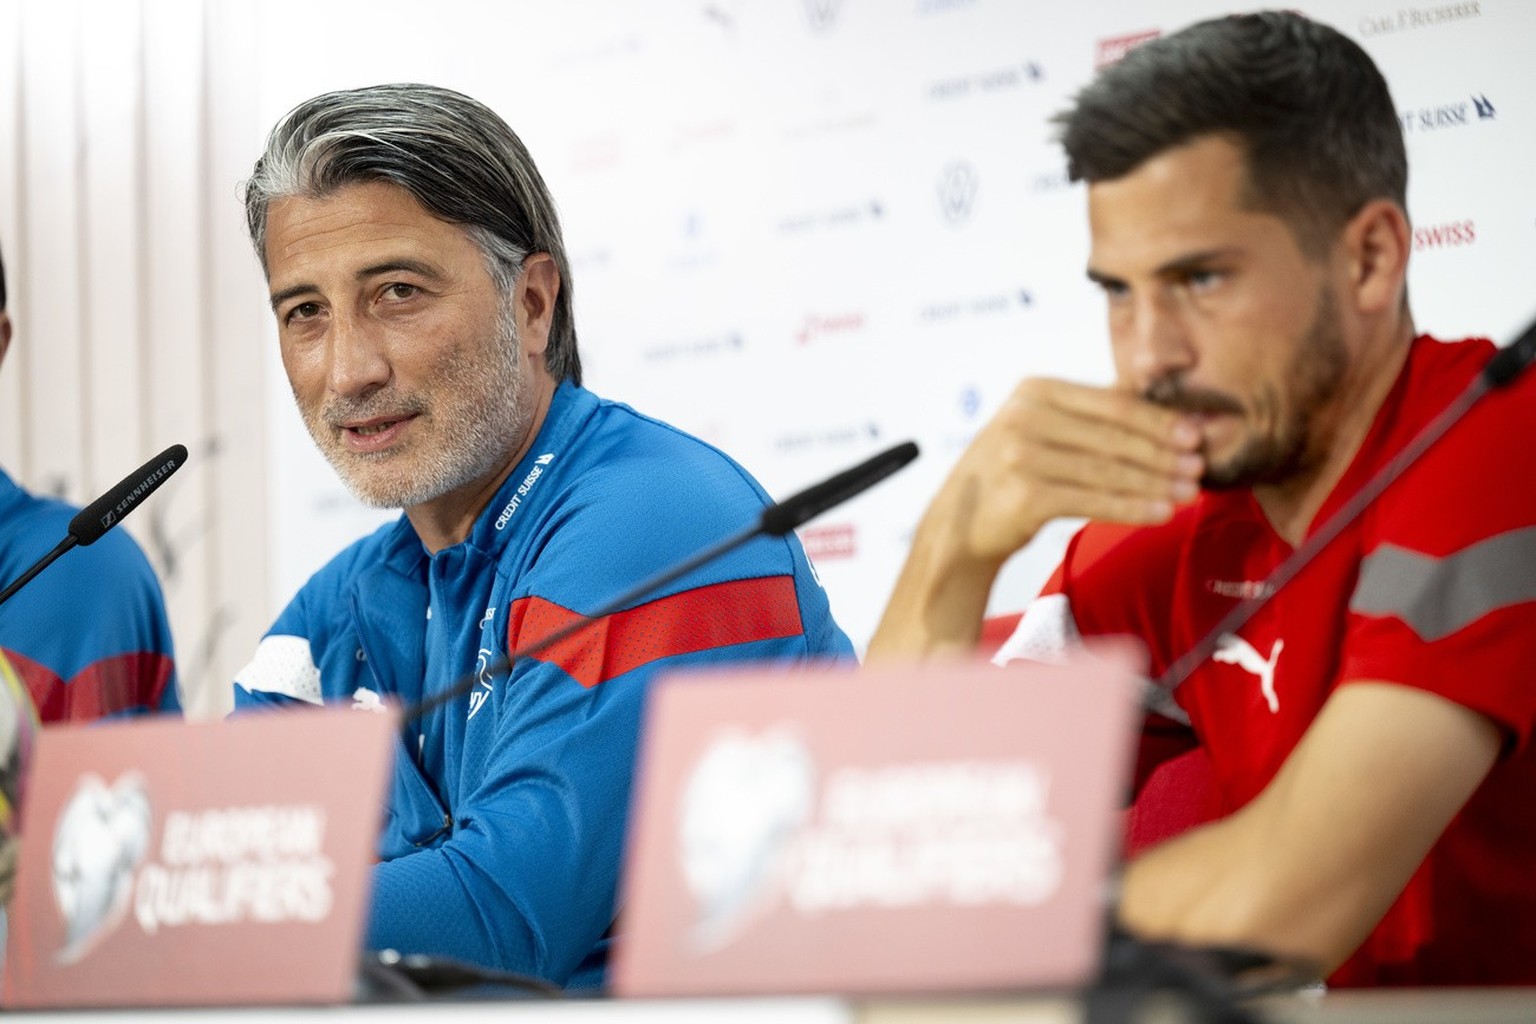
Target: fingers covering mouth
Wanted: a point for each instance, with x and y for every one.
(1172, 395)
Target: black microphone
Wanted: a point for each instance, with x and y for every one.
(1504, 367)
(775, 521)
(91, 522)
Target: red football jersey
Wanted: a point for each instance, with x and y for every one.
(1434, 586)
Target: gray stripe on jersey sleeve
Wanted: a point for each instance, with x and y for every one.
(1438, 596)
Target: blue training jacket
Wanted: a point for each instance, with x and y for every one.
(506, 821)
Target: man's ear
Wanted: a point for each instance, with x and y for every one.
(534, 301)
(1377, 242)
(5, 333)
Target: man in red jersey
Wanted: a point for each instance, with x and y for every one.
(1370, 729)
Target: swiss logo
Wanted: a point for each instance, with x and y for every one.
(1108, 51)
(1451, 235)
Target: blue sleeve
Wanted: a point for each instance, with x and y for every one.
(313, 635)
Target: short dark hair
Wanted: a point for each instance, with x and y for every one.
(2, 283)
(452, 153)
(1307, 104)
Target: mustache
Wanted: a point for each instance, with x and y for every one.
(1171, 393)
(393, 406)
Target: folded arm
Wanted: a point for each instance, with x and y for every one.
(526, 879)
(1310, 865)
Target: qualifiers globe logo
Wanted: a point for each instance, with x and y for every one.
(101, 837)
(745, 802)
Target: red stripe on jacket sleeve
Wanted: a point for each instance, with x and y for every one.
(718, 615)
(107, 687)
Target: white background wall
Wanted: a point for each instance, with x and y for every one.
(803, 229)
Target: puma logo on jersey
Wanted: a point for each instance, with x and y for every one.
(1234, 650)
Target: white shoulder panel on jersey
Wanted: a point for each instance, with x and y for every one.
(283, 665)
(1047, 631)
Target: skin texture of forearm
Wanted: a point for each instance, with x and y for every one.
(1310, 865)
(939, 600)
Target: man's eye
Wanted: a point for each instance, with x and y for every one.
(1203, 280)
(303, 311)
(400, 291)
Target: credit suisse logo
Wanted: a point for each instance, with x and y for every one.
(699, 347)
(1456, 114)
(847, 215)
(833, 436)
(950, 309)
(1109, 50)
(986, 82)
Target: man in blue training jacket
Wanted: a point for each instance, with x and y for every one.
(423, 304)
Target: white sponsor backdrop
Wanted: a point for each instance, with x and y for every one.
(803, 229)
(809, 229)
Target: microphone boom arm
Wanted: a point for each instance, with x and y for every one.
(1504, 367)
(775, 521)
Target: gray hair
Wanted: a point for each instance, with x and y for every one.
(453, 154)
(1309, 107)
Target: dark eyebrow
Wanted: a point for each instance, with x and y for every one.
(1173, 268)
(278, 298)
(1103, 280)
(1194, 261)
(410, 266)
